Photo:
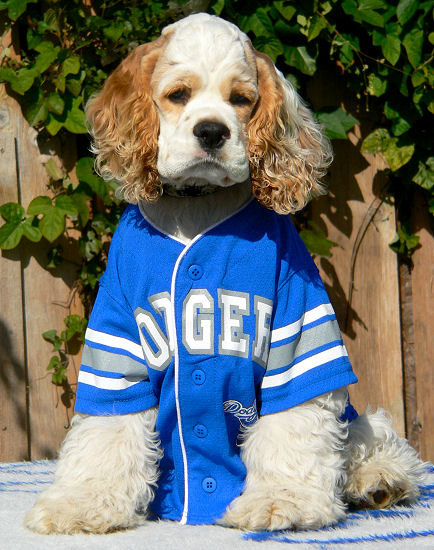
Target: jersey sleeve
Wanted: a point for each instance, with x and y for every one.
(113, 377)
(307, 356)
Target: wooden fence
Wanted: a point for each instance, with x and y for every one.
(385, 312)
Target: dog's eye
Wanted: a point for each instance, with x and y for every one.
(179, 96)
(239, 99)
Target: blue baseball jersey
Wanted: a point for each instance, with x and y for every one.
(233, 325)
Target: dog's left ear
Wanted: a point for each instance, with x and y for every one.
(288, 153)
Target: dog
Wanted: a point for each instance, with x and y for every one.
(213, 379)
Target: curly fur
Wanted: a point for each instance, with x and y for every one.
(124, 124)
(288, 153)
(107, 469)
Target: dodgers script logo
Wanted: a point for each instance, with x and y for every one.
(246, 415)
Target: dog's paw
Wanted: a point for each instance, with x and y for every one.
(68, 515)
(373, 485)
(279, 509)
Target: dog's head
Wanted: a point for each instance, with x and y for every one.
(200, 106)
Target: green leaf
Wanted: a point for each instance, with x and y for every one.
(86, 173)
(53, 170)
(16, 7)
(376, 142)
(406, 9)
(55, 104)
(287, 12)
(50, 336)
(52, 225)
(75, 118)
(371, 4)
(21, 81)
(418, 78)
(273, 47)
(376, 86)
(54, 362)
(404, 242)
(12, 212)
(71, 65)
(413, 43)
(367, 15)
(316, 241)
(316, 25)
(66, 204)
(218, 6)
(53, 124)
(48, 53)
(30, 230)
(391, 48)
(10, 235)
(425, 174)
(40, 205)
(336, 122)
(113, 32)
(90, 246)
(401, 116)
(82, 206)
(298, 57)
(74, 85)
(38, 111)
(396, 156)
(76, 325)
(59, 376)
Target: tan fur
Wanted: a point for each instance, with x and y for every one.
(124, 125)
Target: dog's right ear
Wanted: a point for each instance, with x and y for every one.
(124, 125)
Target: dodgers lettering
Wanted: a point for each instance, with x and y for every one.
(198, 326)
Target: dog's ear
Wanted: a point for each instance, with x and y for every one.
(124, 125)
(288, 154)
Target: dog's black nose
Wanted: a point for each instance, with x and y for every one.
(211, 135)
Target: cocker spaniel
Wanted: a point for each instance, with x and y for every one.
(212, 385)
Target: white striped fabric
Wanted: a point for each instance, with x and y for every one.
(310, 316)
(114, 342)
(304, 366)
(104, 382)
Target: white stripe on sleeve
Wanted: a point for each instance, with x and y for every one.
(304, 366)
(114, 342)
(103, 382)
(308, 317)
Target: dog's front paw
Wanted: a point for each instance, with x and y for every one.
(280, 509)
(69, 514)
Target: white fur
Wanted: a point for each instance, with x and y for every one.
(108, 467)
(302, 464)
(213, 51)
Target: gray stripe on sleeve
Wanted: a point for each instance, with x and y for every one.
(99, 359)
(308, 340)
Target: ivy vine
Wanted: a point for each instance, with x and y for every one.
(67, 48)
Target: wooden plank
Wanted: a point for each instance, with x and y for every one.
(45, 306)
(364, 270)
(422, 277)
(13, 407)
